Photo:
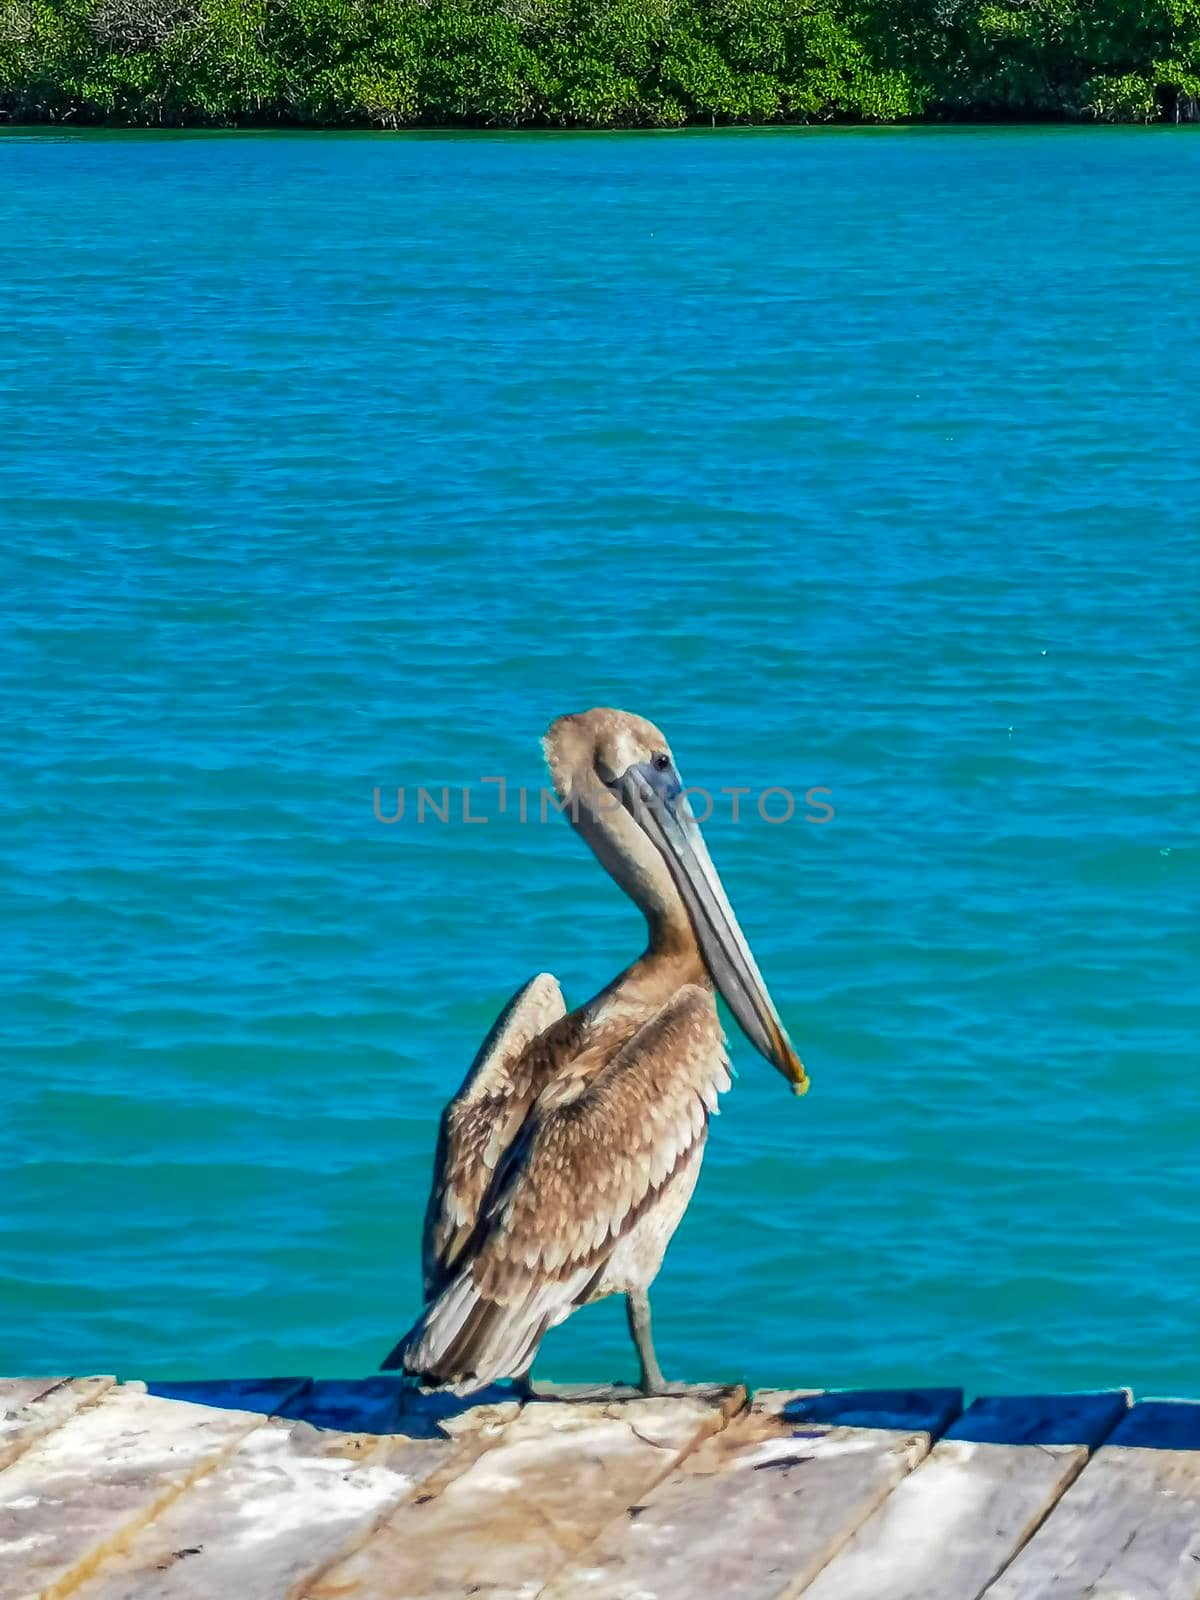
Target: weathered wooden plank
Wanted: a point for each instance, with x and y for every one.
(1129, 1527)
(557, 1475)
(18, 1392)
(947, 1529)
(286, 1503)
(760, 1508)
(619, 1393)
(50, 1402)
(87, 1487)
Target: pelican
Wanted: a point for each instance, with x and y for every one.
(567, 1159)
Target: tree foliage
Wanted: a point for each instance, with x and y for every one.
(1115, 60)
(594, 63)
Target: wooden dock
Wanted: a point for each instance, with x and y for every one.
(361, 1490)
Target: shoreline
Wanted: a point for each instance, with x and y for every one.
(977, 125)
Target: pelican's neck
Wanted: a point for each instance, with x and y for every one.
(672, 955)
(672, 940)
(662, 970)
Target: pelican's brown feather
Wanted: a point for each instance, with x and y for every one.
(526, 1046)
(597, 1154)
(594, 1155)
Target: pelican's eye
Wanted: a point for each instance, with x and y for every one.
(660, 762)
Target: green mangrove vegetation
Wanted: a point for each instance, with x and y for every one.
(595, 63)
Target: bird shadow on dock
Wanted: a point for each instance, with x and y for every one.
(378, 1404)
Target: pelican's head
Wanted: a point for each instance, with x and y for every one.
(616, 778)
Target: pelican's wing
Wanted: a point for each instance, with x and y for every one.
(484, 1117)
(582, 1174)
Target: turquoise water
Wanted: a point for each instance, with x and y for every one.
(861, 460)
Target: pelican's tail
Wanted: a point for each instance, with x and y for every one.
(464, 1341)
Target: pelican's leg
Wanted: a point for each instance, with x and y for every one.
(637, 1306)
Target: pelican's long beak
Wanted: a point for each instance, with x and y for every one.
(654, 800)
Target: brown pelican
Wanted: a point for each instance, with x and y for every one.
(568, 1157)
